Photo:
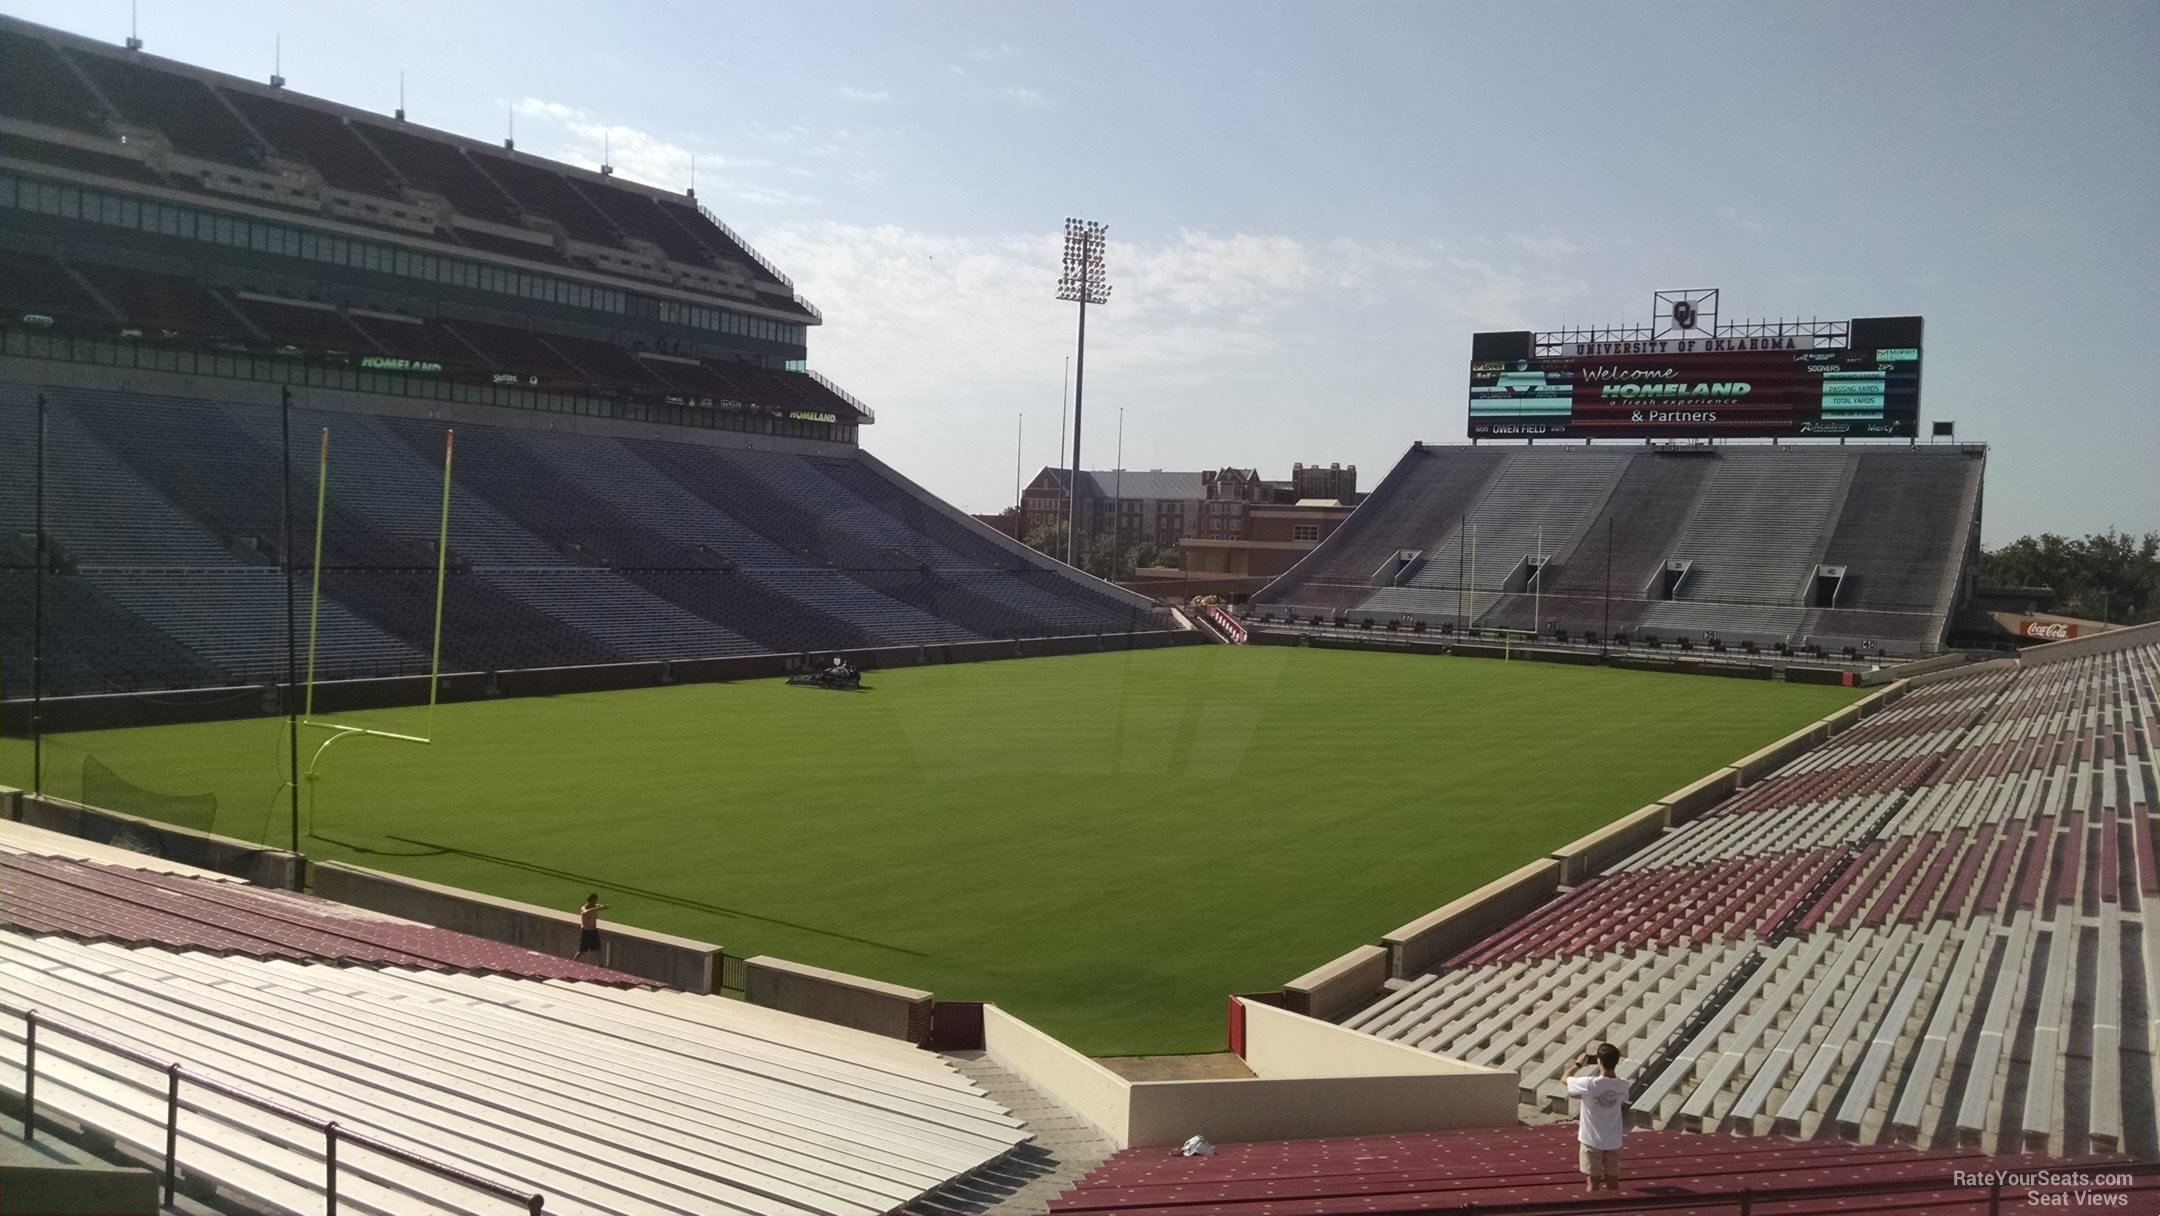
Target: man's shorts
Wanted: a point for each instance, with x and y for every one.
(588, 940)
(1600, 1164)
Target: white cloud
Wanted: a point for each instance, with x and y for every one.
(642, 156)
(1552, 248)
(1731, 215)
(875, 97)
(1232, 347)
(1030, 98)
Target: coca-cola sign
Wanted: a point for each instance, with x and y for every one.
(2047, 631)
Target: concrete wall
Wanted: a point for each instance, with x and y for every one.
(203, 705)
(1763, 761)
(1282, 1043)
(1333, 989)
(10, 803)
(1166, 1113)
(1924, 679)
(2098, 643)
(1906, 671)
(837, 997)
(1441, 932)
(1685, 803)
(1079, 1084)
(1590, 854)
(262, 866)
(31, 1185)
(1312, 1080)
(677, 962)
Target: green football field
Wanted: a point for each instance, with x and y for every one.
(1105, 845)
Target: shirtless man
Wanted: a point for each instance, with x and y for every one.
(588, 941)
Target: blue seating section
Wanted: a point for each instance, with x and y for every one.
(169, 517)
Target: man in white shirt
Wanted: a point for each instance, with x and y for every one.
(1604, 1107)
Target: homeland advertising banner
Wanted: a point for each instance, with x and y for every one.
(1697, 388)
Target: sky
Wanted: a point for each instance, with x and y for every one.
(1312, 206)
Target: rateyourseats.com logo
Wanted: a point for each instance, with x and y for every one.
(2055, 1188)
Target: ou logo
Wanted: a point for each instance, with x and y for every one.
(1683, 314)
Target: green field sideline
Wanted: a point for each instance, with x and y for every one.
(1105, 845)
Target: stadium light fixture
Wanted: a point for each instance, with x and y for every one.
(1083, 280)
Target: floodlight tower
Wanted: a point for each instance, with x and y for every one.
(1083, 280)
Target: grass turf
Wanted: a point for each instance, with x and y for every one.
(1105, 845)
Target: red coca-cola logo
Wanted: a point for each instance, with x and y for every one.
(2053, 631)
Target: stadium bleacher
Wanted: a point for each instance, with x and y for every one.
(1533, 1169)
(537, 1073)
(316, 138)
(305, 325)
(1723, 541)
(186, 111)
(40, 285)
(85, 160)
(161, 301)
(1934, 928)
(413, 338)
(40, 87)
(564, 549)
(541, 191)
(439, 168)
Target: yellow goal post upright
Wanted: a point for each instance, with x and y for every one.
(347, 730)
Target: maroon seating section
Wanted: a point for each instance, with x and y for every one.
(67, 156)
(519, 352)
(38, 86)
(419, 340)
(307, 328)
(92, 902)
(161, 301)
(320, 139)
(1452, 1171)
(2026, 724)
(41, 285)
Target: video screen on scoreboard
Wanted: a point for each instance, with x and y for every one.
(1695, 388)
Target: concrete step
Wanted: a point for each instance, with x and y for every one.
(1023, 1182)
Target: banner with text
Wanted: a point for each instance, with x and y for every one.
(1701, 388)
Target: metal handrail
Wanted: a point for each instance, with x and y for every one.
(174, 1071)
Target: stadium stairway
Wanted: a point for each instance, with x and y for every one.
(1062, 1149)
(1941, 927)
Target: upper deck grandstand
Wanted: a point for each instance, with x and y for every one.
(648, 470)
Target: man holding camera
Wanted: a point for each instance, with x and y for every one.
(1604, 1108)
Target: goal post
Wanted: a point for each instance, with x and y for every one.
(347, 730)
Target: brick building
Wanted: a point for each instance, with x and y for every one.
(1165, 508)
(1273, 536)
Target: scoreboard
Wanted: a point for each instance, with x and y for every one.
(1700, 386)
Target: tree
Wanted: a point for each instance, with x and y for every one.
(2109, 575)
(1049, 540)
(1105, 559)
